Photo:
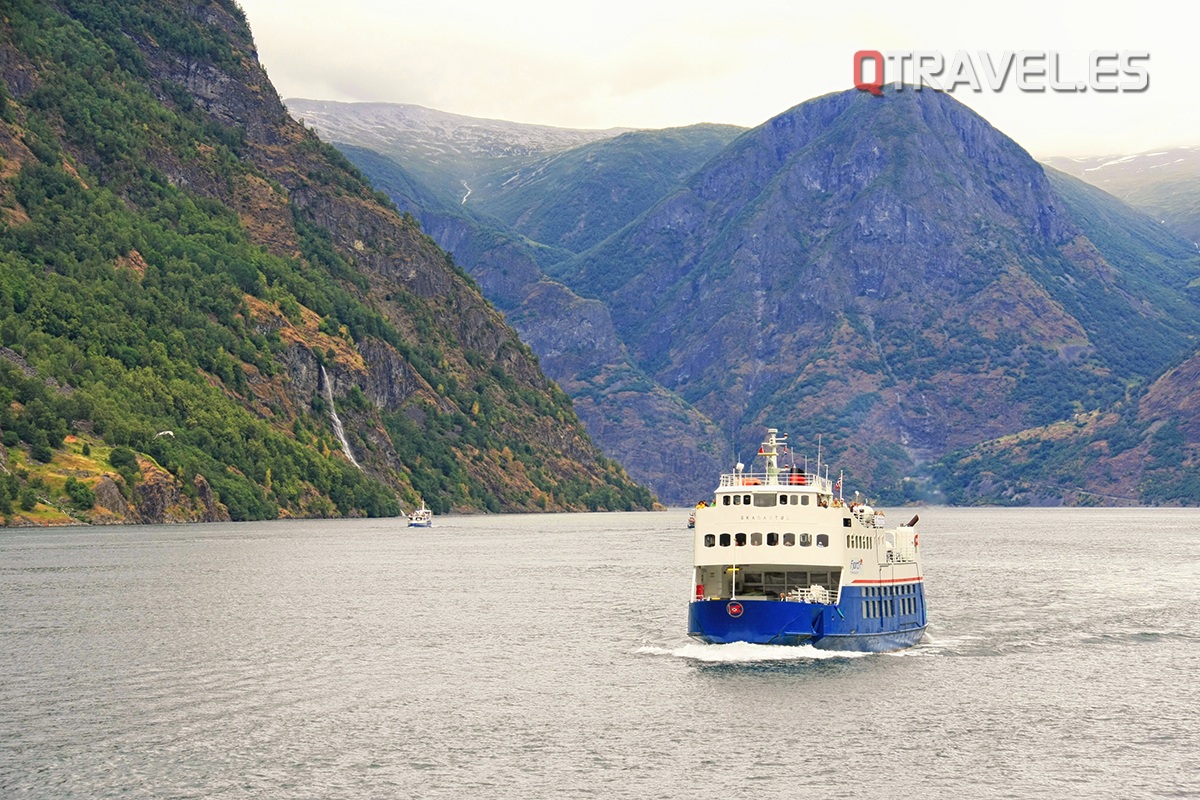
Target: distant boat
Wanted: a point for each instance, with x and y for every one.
(421, 517)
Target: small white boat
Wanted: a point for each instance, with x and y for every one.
(421, 517)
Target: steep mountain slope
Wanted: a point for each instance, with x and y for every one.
(576, 341)
(893, 273)
(1142, 451)
(1164, 184)
(447, 151)
(188, 279)
(575, 199)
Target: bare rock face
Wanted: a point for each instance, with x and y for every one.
(109, 497)
(158, 498)
(211, 510)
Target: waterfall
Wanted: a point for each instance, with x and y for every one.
(338, 430)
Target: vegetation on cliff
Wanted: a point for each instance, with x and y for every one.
(187, 273)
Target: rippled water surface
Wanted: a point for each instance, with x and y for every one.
(545, 656)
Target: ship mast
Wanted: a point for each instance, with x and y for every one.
(770, 452)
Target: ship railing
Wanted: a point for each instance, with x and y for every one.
(905, 554)
(788, 480)
(823, 597)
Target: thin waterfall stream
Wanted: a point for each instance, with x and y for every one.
(338, 430)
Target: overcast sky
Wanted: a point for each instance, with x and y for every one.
(649, 64)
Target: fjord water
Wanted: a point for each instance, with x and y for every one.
(545, 656)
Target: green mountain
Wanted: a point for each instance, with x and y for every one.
(197, 296)
(574, 200)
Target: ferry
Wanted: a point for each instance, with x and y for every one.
(421, 517)
(782, 558)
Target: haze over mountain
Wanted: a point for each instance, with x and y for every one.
(1165, 183)
(893, 274)
(445, 149)
(206, 312)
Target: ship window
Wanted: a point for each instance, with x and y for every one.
(725, 500)
(822, 540)
(806, 540)
(772, 539)
(752, 583)
(756, 539)
(737, 499)
(764, 500)
(864, 602)
(739, 539)
(789, 539)
(783, 499)
(796, 580)
(710, 540)
(796, 499)
(746, 499)
(846, 522)
(725, 540)
(773, 583)
(804, 500)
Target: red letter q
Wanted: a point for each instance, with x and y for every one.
(874, 87)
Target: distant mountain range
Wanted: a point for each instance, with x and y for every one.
(1165, 183)
(447, 150)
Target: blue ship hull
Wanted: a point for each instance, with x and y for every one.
(841, 627)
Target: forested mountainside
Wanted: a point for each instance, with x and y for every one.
(895, 275)
(192, 284)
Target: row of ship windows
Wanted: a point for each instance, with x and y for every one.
(772, 539)
(853, 541)
(764, 500)
(873, 609)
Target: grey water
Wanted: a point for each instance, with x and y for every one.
(545, 656)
